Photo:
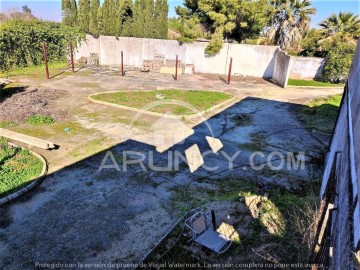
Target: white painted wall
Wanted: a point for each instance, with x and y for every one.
(281, 69)
(248, 60)
(306, 67)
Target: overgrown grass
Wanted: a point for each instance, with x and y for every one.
(89, 148)
(321, 113)
(7, 124)
(57, 70)
(39, 120)
(17, 168)
(35, 71)
(200, 100)
(294, 212)
(57, 129)
(310, 83)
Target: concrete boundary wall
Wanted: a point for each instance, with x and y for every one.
(248, 60)
(306, 67)
(281, 69)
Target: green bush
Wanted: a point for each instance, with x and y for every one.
(20, 42)
(174, 24)
(338, 62)
(39, 120)
(310, 43)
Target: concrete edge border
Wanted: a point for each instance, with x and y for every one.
(32, 184)
(186, 116)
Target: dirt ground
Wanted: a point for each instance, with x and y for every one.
(80, 214)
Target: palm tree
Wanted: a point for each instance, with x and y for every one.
(290, 21)
(344, 23)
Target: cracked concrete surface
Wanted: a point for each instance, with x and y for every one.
(82, 214)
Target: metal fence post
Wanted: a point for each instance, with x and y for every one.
(72, 56)
(45, 59)
(176, 68)
(122, 63)
(229, 75)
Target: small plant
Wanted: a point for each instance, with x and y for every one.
(3, 141)
(6, 124)
(39, 120)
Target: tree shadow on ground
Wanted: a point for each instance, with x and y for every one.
(92, 202)
(7, 91)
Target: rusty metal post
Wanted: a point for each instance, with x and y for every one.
(122, 64)
(45, 60)
(72, 56)
(176, 67)
(229, 75)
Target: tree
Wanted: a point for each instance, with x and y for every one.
(251, 20)
(109, 17)
(124, 17)
(291, 19)
(139, 19)
(149, 20)
(93, 22)
(143, 25)
(74, 13)
(310, 43)
(161, 19)
(69, 12)
(100, 21)
(26, 9)
(66, 12)
(219, 19)
(83, 15)
(346, 24)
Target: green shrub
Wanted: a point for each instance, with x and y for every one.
(174, 24)
(215, 43)
(39, 120)
(338, 62)
(310, 44)
(20, 42)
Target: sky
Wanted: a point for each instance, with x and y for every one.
(51, 9)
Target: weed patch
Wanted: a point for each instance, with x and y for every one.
(321, 113)
(39, 120)
(280, 232)
(18, 167)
